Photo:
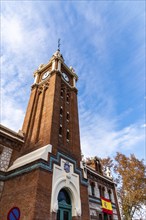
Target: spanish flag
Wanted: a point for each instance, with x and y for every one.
(106, 206)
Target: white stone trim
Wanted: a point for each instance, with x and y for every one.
(68, 181)
(53, 65)
(35, 77)
(83, 167)
(59, 65)
(74, 82)
(41, 153)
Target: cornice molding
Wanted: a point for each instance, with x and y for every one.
(10, 138)
(42, 164)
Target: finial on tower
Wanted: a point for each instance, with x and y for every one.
(59, 44)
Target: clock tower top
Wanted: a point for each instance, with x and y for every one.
(56, 63)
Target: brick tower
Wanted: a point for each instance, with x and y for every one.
(52, 113)
(45, 179)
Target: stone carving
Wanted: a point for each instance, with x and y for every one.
(78, 211)
(108, 173)
(9, 143)
(55, 207)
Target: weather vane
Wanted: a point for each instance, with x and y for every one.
(59, 44)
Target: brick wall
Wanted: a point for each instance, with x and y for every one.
(30, 193)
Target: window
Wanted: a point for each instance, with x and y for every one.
(58, 215)
(61, 111)
(105, 216)
(61, 93)
(60, 130)
(67, 135)
(101, 191)
(100, 216)
(66, 215)
(110, 217)
(67, 98)
(109, 194)
(92, 188)
(98, 165)
(67, 116)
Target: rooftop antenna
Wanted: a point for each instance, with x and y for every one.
(59, 44)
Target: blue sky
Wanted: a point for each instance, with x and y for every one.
(104, 41)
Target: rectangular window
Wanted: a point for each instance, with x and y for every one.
(67, 135)
(67, 98)
(105, 216)
(110, 217)
(100, 216)
(109, 194)
(58, 215)
(100, 193)
(103, 190)
(61, 111)
(93, 189)
(65, 215)
(60, 130)
(61, 93)
(67, 116)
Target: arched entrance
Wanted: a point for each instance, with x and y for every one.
(64, 206)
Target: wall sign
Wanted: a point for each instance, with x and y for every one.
(14, 214)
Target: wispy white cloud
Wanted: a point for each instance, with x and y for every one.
(24, 38)
(100, 136)
(144, 125)
(12, 113)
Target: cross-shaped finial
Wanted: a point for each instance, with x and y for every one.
(59, 44)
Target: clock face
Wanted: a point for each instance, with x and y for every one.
(45, 75)
(65, 77)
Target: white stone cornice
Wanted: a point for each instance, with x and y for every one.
(41, 153)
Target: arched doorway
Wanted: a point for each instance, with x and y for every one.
(64, 206)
